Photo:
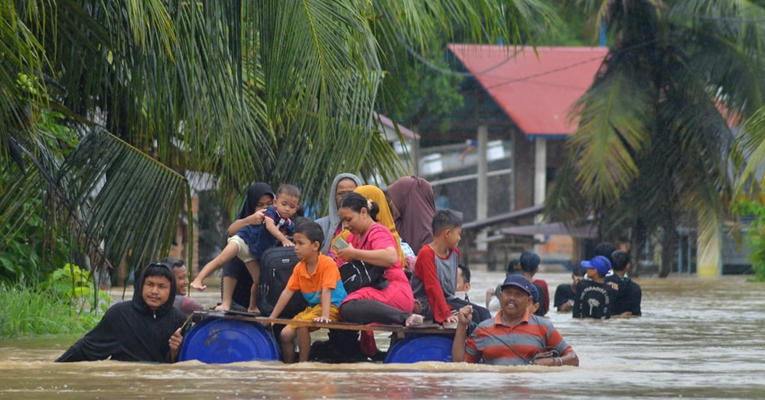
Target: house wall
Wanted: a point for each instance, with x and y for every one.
(523, 166)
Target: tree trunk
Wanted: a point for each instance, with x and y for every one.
(637, 243)
(669, 242)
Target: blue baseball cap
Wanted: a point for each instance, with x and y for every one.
(520, 282)
(599, 263)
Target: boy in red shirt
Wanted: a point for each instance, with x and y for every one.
(434, 282)
(316, 276)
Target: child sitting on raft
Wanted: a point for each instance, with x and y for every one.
(318, 279)
(251, 241)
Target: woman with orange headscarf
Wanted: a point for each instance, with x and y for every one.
(384, 216)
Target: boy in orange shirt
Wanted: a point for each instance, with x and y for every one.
(317, 277)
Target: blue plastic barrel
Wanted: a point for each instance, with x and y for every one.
(416, 348)
(222, 341)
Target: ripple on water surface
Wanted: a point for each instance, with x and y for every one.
(701, 338)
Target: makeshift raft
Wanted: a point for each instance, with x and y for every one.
(225, 337)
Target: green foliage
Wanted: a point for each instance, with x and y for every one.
(64, 303)
(573, 29)
(237, 91)
(426, 91)
(755, 235)
(75, 285)
(29, 253)
(654, 127)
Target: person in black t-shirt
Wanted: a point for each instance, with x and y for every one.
(566, 292)
(594, 297)
(629, 294)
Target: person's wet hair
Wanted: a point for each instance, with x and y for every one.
(619, 260)
(529, 261)
(311, 230)
(288, 190)
(172, 262)
(356, 202)
(443, 220)
(465, 272)
(513, 267)
(159, 269)
(606, 250)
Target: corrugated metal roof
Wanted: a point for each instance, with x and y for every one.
(535, 92)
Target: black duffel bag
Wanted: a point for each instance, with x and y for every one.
(358, 274)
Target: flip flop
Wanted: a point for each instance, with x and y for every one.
(414, 320)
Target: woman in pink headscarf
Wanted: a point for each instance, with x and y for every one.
(413, 206)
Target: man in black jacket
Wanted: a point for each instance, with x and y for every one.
(145, 329)
(628, 295)
(594, 297)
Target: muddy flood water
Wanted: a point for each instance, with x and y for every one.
(698, 338)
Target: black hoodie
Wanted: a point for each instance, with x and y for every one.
(131, 331)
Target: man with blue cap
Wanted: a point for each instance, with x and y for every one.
(594, 297)
(514, 336)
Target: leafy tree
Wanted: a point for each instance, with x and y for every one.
(240, 90)
(755, 235)
(653, 137)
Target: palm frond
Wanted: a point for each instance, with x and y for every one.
(615, 123)
(127, 201)
(749, 154)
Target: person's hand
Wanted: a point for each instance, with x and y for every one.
(198, 285)
(288, 243)
(546, 362)
(255, 218)
(626, 314)
(566, 306)
(614, 285)
(451, 322)
(322, 319)
(175, 343)
(465, 315)
(346, 254)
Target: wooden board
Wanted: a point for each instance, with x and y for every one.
(244, 316)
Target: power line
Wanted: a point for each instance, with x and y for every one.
(552, 71)
(453, 73)
(525, 78)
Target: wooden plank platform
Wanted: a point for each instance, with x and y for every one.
(243, 316)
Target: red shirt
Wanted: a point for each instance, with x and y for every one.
(427, 271)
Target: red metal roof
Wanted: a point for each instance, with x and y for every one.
(388, 123)
(535, 92)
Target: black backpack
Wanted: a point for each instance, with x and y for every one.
(276, 265)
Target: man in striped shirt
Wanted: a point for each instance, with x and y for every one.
(514, 336)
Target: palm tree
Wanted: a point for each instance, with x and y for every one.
(653, 139)
(240, 90)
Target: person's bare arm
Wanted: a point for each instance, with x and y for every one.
(274, 231)
(175, 344)
(255, 218)
(569, 358)
(326, 303)
(460, 336)
(284, 298)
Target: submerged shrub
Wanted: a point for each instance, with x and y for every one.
(64, 303)
(755, 235)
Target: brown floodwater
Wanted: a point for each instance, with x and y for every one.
(698, 338)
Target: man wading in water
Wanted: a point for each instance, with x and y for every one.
(514, 336)
(144, 329)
